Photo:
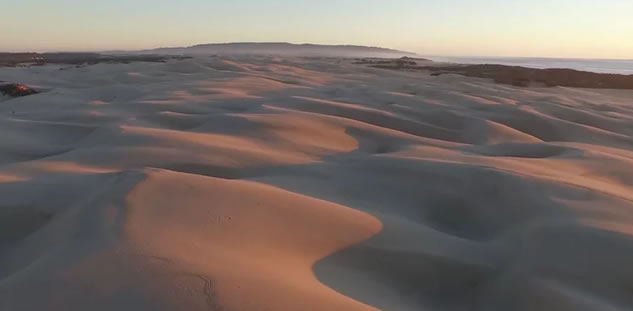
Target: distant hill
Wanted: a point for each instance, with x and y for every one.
(282, 49)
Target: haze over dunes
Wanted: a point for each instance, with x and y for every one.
(281, 183)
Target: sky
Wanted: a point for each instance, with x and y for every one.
(530, 28)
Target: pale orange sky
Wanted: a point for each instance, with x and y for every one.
(552, 28)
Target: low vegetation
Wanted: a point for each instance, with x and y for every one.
(38, 59)
(512, 75)
(521, 76)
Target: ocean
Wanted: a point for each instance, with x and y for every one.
(621, 66)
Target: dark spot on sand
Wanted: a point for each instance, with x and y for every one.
(16, 90)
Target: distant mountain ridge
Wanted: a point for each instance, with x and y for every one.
(282, 49)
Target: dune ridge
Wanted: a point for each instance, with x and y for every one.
(269, 183)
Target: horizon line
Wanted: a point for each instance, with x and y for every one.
(312, 43)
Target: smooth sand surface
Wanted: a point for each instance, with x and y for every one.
(258, 183)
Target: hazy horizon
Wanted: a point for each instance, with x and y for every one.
(456, 56)
(454, 28)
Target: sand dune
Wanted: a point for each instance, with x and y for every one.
(263, 183)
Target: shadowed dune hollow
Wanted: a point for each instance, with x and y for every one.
(262, 183)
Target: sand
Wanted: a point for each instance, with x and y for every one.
(259, 183)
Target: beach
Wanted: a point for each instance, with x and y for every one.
(287, 183)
